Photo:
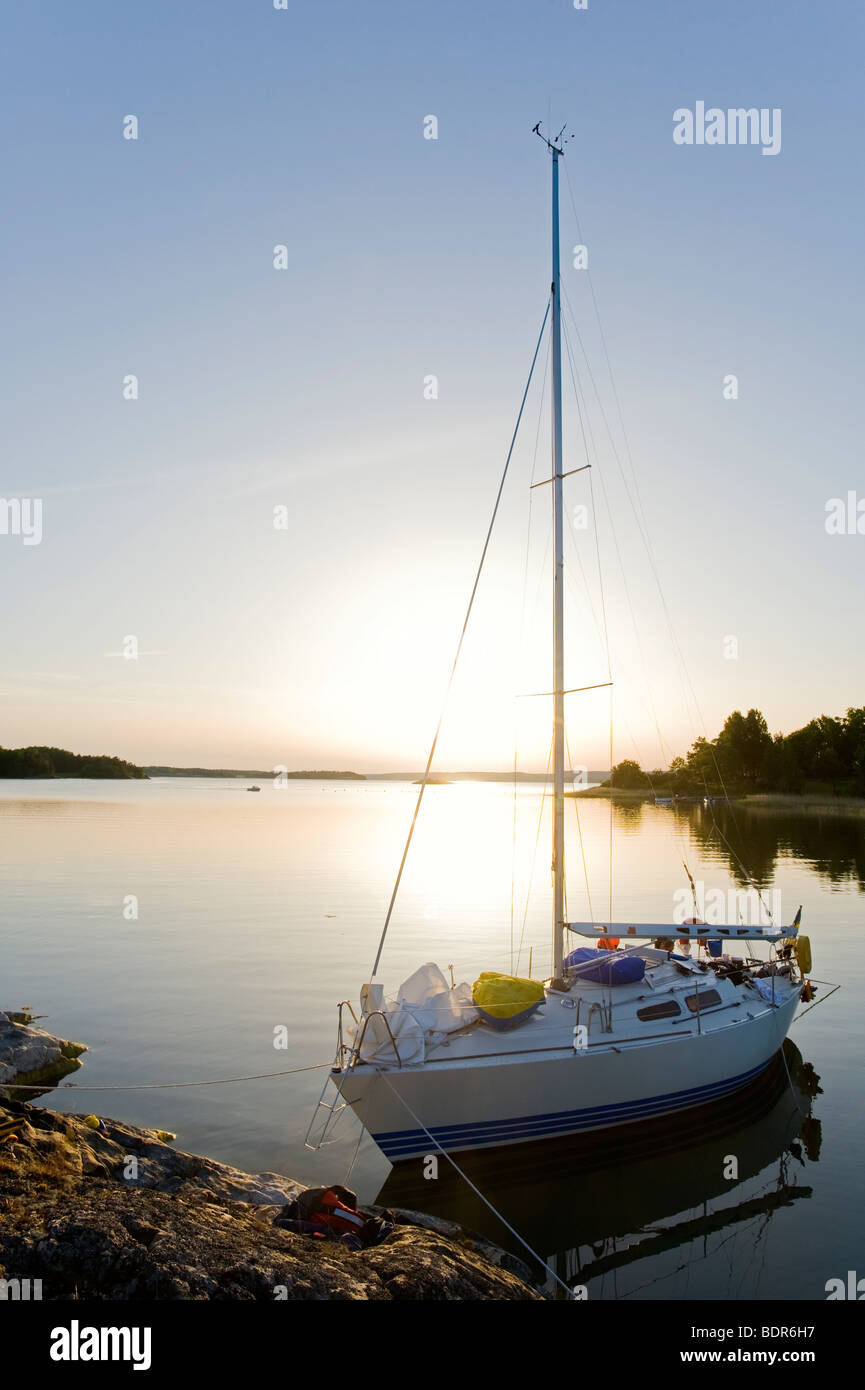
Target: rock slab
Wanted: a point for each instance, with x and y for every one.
(122, 1215)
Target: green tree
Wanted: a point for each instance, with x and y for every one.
(743, 744)
(628, 775)
(684, 779)
(702, 762)
(853, 746)
(782, 767)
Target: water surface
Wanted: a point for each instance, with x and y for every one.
(258, 912)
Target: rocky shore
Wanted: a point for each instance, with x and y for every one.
(32, 1057)
(114, 1212)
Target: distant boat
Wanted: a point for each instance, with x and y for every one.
(617, 1034)
(253, 789)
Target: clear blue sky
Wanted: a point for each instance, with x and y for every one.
(328, 643)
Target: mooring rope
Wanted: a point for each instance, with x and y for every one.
(832, 991)
(476, 1190)
(161, 1085)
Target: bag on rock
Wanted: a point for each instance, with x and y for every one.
(330, 1213)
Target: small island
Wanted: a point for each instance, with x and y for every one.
(44, 762)
(59, 762)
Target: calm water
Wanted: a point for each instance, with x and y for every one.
(257, 911)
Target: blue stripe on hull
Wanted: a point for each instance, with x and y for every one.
(403, 1143)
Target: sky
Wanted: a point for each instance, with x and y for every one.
(327, 641)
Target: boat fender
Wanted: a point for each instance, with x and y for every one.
(803, 954)
(808, 992)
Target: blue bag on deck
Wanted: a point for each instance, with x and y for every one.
(610, 968)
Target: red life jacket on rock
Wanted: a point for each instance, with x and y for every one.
(336, 1216)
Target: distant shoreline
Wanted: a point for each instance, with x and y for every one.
(53, 765)
(325, 775)
(753, 801)
(520, 777)
(313, 775)
(436, 779)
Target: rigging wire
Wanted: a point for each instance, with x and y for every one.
(603, 638)
(632, 490)
(513, 860)
(640, 516)
(639, 510)
(575, 799)
(522, 635)
(574, 589)
(743, 868)
(635, 499)
(535, 854)
(609, 673)
(432, 750)
(664, 752)
(591, 451)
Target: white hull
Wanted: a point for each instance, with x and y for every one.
(510, 1098)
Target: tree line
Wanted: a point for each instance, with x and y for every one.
(58, 762)
(827, 755)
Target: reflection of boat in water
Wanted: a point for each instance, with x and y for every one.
(611, 1194)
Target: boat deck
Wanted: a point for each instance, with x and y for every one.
(673, 1000)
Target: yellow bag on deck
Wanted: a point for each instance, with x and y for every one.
(506, 1000)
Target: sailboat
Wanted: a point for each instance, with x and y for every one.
(640, 1029)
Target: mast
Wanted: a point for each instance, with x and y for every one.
(558, 866)
(558, 603)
